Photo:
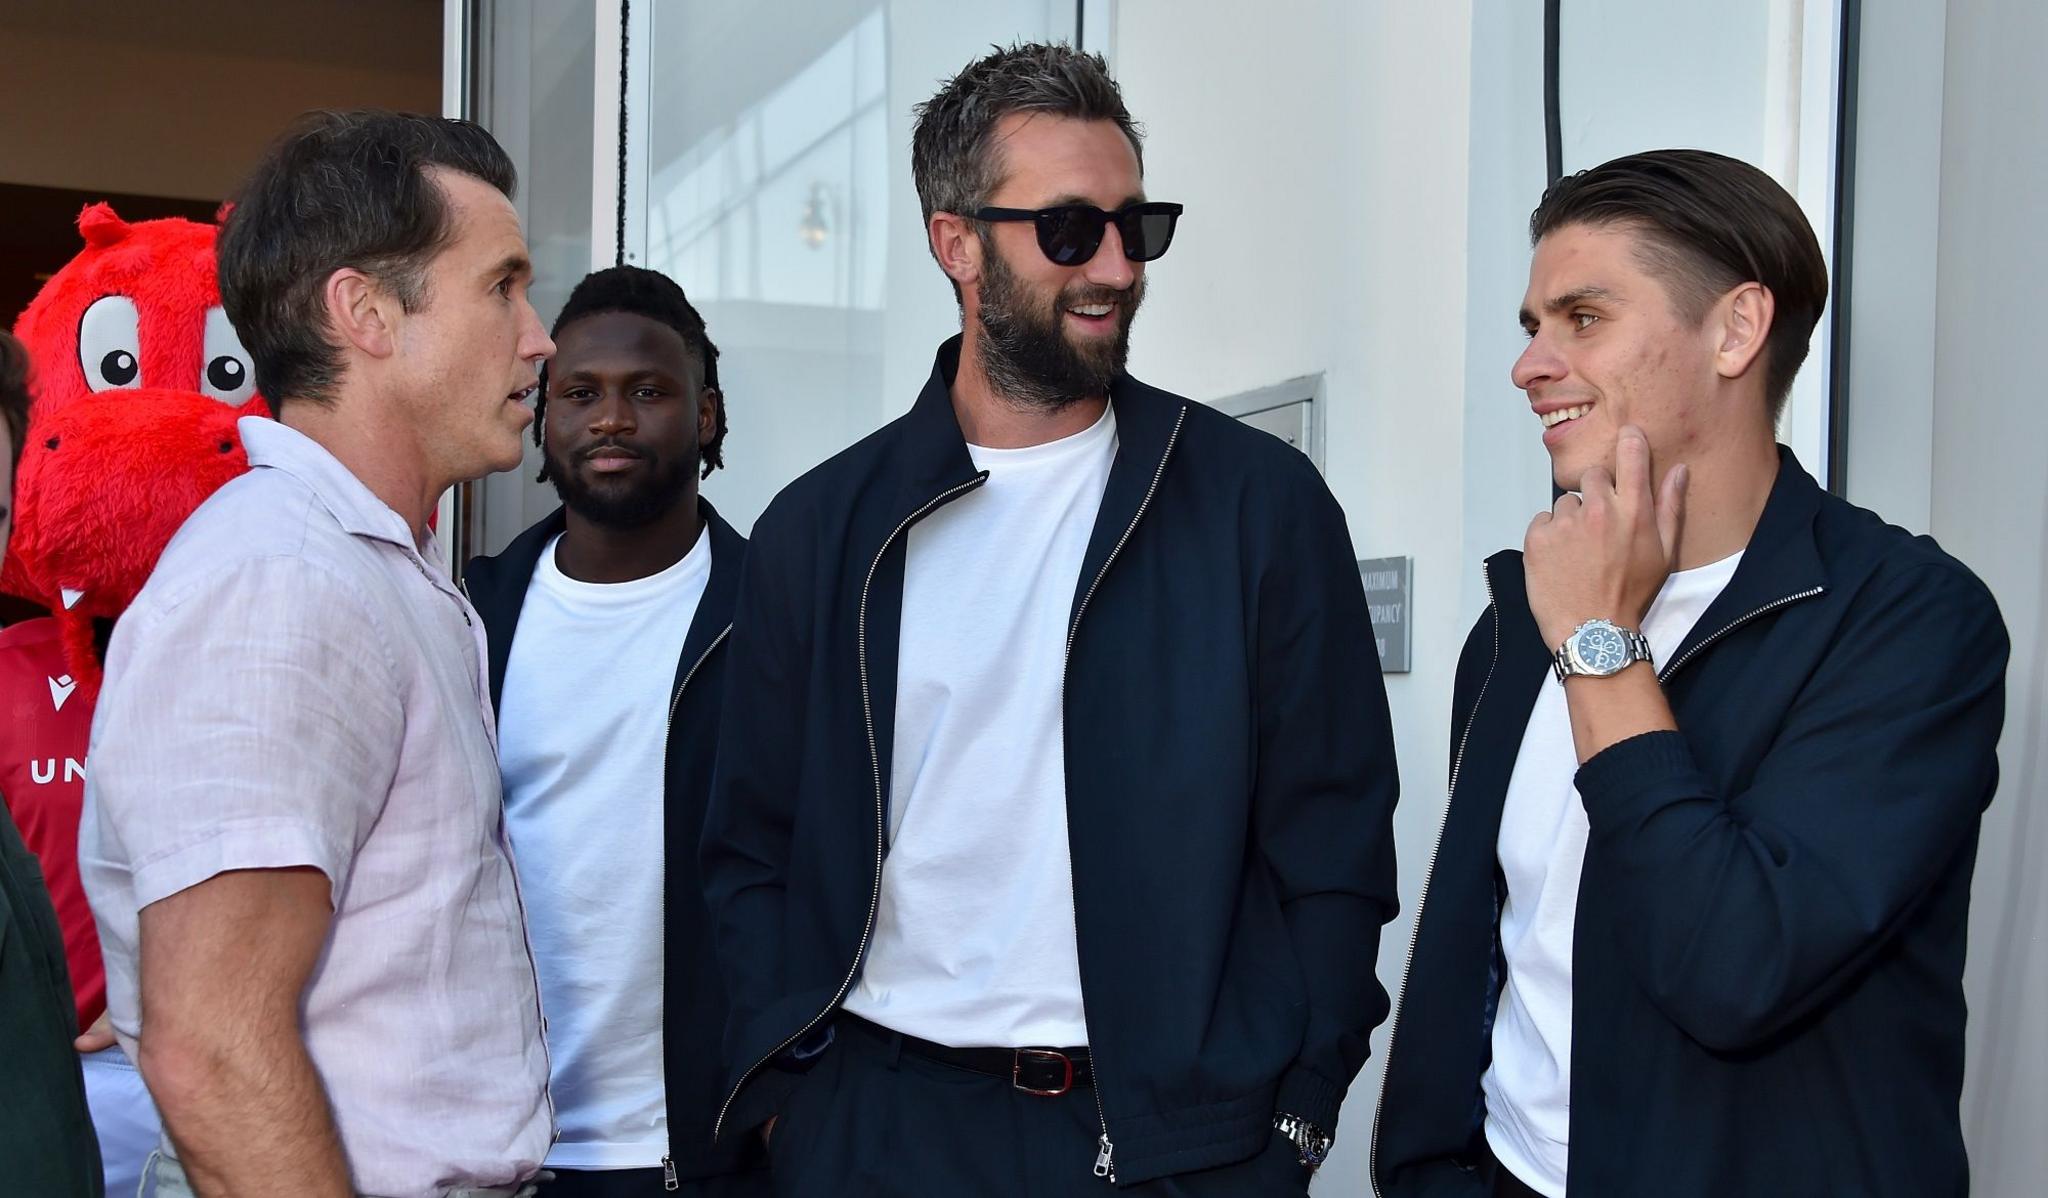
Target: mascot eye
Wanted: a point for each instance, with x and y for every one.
(110, 344)
(227, 375)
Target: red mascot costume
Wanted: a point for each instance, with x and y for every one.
(138, 381)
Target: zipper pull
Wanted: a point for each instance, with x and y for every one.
(1103, 1165)
(668, 1175)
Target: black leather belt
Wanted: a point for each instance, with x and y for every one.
(1045, 1072)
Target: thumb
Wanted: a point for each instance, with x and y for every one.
(1671, 509)
(100, 1035)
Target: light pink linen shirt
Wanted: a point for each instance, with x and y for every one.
(299, 685)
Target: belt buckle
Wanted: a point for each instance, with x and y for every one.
(1047, 1055)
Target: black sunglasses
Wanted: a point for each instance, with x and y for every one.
(1071, 233)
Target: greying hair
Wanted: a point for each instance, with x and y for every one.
(340, 189)
(952, 154)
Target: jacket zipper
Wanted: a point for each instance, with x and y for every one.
(1731, 626)
(1422, 900)
(881, 809)
(1105, 1156)
(669, 1181)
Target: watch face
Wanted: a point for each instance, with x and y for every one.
(1600, 648)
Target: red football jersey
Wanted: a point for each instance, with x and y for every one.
(42, 776)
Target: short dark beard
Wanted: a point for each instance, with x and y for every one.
(634, 505)
(1025, 354)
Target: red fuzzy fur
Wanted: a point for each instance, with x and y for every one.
(94, 513)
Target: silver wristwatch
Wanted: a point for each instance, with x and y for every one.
(1600, 649)
(1311, 1143)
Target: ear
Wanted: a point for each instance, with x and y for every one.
(361, 312)
(956, 247)
(707, 413)
(1745, 324)
(99, 226)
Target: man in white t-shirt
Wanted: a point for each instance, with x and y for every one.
(1694, 927)
(607, 622)
(1050, 842)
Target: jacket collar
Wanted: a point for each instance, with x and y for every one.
(932, 453)
(721, 590)
(497, 587)
(1781, 561)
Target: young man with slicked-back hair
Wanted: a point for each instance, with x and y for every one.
(1695, 924)
(608, 624)
(293, 839)
(1050, 838)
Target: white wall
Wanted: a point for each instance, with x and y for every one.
(1946, 427)
(1321, 151)
(1990, 508)
(1896, 231)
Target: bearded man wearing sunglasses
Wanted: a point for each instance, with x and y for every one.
(1050, 839)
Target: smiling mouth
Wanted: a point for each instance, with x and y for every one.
(1553, 419)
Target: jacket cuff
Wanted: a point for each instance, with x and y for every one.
(1309, 1095)
(1649, 768)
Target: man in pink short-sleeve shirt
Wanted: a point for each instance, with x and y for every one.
(293, 839)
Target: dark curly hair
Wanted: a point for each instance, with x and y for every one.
(641, 292)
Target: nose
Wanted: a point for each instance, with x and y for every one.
(612, 414)
(1538, 364)
(535, 345)
(1109, 267)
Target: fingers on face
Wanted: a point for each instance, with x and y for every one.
(1632, 462)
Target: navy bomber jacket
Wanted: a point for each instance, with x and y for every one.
(693, 1006)
(1229, 763)
(1768, 959)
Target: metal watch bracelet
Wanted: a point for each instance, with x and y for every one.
(1311, 1143)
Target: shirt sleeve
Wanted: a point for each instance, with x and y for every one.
(252, 721)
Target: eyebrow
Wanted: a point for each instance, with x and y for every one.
(1571, 299)
(512, 264)
(631, 374)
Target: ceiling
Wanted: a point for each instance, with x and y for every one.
(383, 35)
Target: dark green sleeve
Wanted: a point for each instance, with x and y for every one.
(46, 1136)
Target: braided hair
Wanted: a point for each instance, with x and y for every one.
(640, 292)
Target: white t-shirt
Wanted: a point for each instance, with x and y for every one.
(1542, 847)
(974, 939)
(582, 735)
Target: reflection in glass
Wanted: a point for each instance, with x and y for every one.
(779, 195)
